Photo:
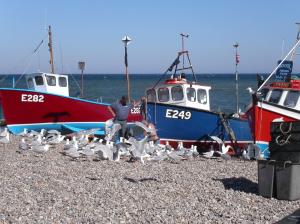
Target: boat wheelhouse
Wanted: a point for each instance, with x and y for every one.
(181, 93)
(48, 83)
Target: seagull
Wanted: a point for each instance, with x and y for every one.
(115, 128)
(173, 156)
(53, 131)
(226, 149)
(167, 146)
(56, 139)
(4, 132)
(217, 139)
(4, 137)
(88, 151)
(40, 148)
(36, 141)
(245, 155)
(252, 152)
(150, 148)
(23, 146)
(143, 126)
(210, 153)
(24, 133)
(74, 154)
(251, 91)
(223, 152)
(71, 148)
(138, 148)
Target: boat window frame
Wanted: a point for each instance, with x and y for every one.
(278, 98)
(64, 83)
(155, 95)
(39, 80)
(174, 94)
(30, 83)
(49, 79)
(159, 96)
(188, 96)
(198, 98)
(286, 98)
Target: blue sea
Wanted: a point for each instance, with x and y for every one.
(109, 88)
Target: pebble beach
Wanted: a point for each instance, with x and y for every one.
(53, 188)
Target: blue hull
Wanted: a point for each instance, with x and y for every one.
(177, 123)
(64, 127)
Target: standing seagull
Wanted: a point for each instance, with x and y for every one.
(4, 136)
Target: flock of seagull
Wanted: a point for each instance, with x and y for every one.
(84, 144)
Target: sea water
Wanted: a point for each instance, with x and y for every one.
(108, 88)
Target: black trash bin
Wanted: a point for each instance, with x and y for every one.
(266, 175)
(288, 180)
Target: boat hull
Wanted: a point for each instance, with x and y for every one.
(193, 126)
(36, 110)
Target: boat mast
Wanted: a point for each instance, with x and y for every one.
(182, 46)
(51, 50)
(237, 60)
(183, 52)
(81, 66)
(126, 41)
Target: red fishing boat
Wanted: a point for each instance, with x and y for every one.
(276, 99)
(46, 104)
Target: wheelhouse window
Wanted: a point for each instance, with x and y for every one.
(177, 93)
(39, 80)
(163, 94)
(275, 95)
(291, 99)
(191, 94)
(30, 83)
(263, 94)
(151, 95)
(51, 80)
(62, 81)
(202, 96)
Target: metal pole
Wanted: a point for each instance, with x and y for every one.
(81, 82)
(127, 77)
(236, 78)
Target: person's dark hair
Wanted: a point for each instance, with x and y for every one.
(124, 100)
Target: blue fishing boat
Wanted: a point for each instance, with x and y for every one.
(180, 110)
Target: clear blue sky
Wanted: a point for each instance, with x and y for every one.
(92, 31)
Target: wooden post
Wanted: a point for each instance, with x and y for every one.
(51, 50)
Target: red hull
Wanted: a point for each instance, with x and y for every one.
(30, 107)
